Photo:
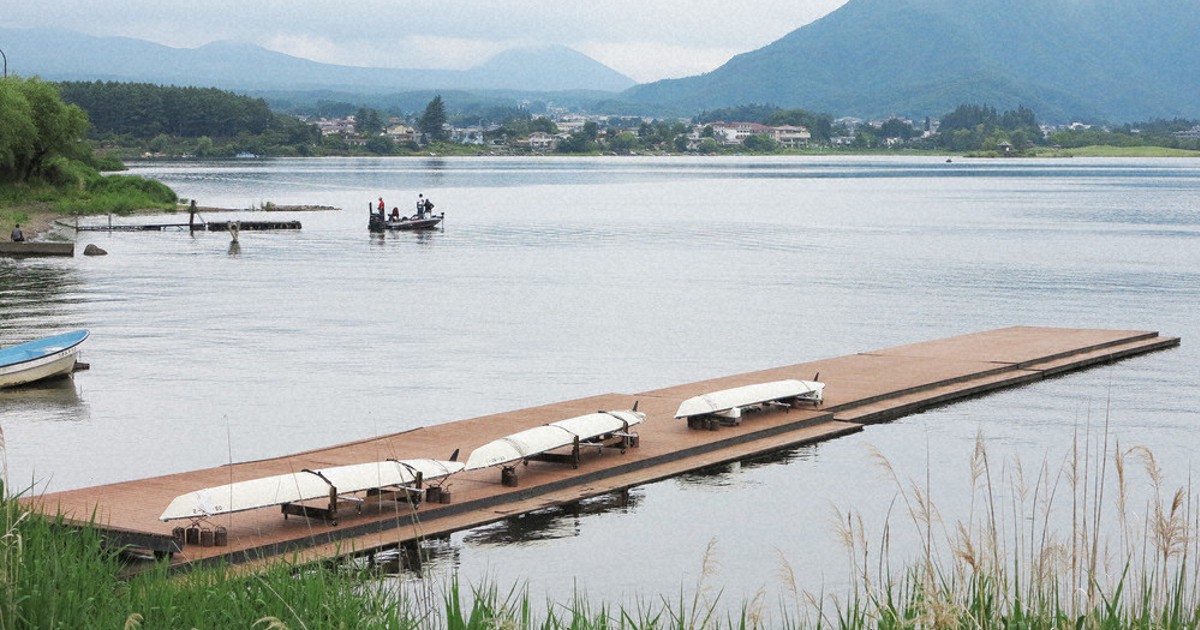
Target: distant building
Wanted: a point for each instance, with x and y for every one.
(850, 123)
(737, 132)
(467, 135)
(571, 123)
(336, 126)
(402, 133)
(540, 141)
(790, 136)
(1190, 134)
(731, 133)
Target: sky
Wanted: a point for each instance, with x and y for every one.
(646, 40)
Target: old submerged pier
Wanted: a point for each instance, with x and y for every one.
(861, 389)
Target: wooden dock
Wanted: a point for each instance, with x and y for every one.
(861, 389)
(210, 226)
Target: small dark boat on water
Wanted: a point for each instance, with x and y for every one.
(378, 222)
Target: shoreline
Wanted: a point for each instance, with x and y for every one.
(36, 222)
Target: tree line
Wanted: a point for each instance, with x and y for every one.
(211, 122)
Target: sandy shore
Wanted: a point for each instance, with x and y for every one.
(37, 223)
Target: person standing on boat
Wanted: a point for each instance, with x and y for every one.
(420, 206)
(382, 207)
(17, 235)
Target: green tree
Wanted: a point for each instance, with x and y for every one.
(760, 143)
(971, 127)
(576, 143)
(43, 129)
(740, 113)
(543, 124)
(204, 146)
(17, 131)
(623, 142)
(368, 122)
(896, 128)
(381, 145)
(433, 122)
(709, 145)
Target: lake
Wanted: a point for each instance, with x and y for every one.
(559, 278)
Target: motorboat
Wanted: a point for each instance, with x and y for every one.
(379, 222)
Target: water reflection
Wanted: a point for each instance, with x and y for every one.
(422, 237)
(55, 400)
(724, 475)
(32, 296)
(562, 521)
(415, 559)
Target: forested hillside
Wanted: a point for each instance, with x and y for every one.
(220, 122)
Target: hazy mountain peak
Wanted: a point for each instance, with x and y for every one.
(57, 54)
(542, 67)
(1114, 59)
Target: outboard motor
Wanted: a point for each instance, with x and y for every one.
(376, 222)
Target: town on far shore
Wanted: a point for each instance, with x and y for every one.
(559, 130)
(148, 121)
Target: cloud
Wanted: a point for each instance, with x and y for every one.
(651, 61)
(642, 38)
(413, 51)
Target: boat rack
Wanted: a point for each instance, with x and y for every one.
(407, 495)
(620, 440)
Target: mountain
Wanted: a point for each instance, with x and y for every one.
(1118, 60)
(59, 55)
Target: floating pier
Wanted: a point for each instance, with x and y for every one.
(210, 226)
(861, 389)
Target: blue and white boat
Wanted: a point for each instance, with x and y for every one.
(41, 359)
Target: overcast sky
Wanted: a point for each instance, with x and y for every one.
(644, 39)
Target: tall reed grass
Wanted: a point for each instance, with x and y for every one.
(1061, 545)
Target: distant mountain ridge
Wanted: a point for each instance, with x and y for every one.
(1109, 59)
(60, 55)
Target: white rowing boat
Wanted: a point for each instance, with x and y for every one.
(41, 359)
(538, 440)
(729, 403)
(303, 486)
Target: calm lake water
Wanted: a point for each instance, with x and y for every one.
(562, 278)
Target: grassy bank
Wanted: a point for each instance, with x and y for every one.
(1059, 545)
(82, 192)
(1111, 151)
